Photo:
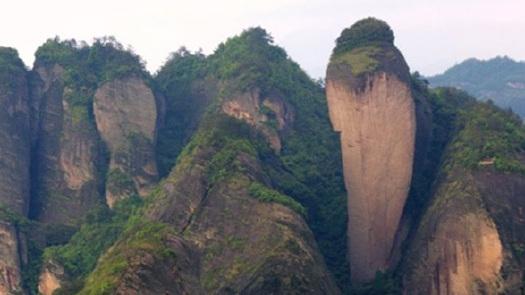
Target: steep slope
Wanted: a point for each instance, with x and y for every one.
(14, 163)
(499, 79)
(468, 239)
(85, 101)
(126, 115)
(371, 105)
(94, 121)
(220, 222)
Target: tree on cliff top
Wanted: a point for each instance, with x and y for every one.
(364, 32)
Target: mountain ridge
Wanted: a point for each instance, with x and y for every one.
(499, 79)
(222, 174)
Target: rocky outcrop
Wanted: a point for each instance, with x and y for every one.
(126, 115)
(457, 249)
(51, 278)
(14, 164)
(10, 271)
(271, 115)
(244, 245)
(67, 150)
(371, 105)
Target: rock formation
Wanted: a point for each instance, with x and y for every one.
(470, 235)
(459, 242)
(126, 115)
(51, 278)
(371, 105)
(270, 115)
(67, 150)
(14, 164)
(244, 245)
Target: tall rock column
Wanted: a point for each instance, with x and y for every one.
(126, 114)
(14, 166)
(371, 105)
(66, 148)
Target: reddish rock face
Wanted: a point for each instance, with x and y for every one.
(10, 274)
(457, 248)
(126, 116)
(377, 129)
(371, 105)
(66, 151)
(270, 115)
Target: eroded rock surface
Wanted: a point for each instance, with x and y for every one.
(243, 245)
(14, 164)
(50, 278)
(67, 150)
(373, 109)
(271, 115)
(457, 249)
(10, 272)
(126, 116)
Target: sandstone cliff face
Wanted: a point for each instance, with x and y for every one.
(270, 115)
(238, 244)
(470, 237)
(375, 114)
(458, 249)
(126, 116)
(14, 163)
(10, 271)
(67, 151)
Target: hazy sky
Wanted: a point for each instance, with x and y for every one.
(432, 35)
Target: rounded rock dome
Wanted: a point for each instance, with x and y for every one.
(363, 32)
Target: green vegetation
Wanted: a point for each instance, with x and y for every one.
(265, 194)
(100, 230)
(10, 61)
(226, 161)
(500, 79)
(360, 59)
(87, 67)
(11, 67)
(308, 169)
(13, 218)
(117, 182)
(488, 134)
(368, 31)
(180, 79)
(139, 237)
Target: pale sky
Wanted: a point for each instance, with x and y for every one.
(433, 35)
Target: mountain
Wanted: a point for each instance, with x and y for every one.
(236, 173)
(500, 79)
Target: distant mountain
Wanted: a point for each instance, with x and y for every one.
(500, 79)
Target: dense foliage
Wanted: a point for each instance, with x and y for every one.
(9, 60)
(500, 79)
(489, 136)
(100, 230)
(87, 67)
(185, 102)
(265, 194)
(368, 31)
(10, 66)
(308, 167)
